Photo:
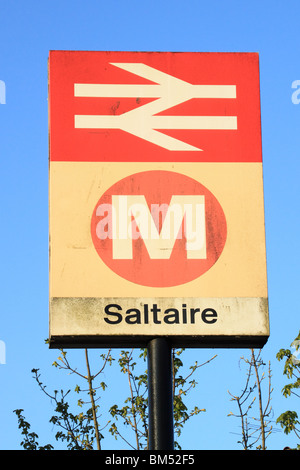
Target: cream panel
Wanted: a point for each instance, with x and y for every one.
(76, 270)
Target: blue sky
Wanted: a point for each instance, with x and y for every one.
(28, 30)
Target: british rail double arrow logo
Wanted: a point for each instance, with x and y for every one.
(144, 121)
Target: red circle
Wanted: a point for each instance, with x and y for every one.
(158, 187)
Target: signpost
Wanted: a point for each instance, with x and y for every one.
(156, 201)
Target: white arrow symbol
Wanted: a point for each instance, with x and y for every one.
(143, 122)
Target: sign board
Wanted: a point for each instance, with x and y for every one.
(156, 200)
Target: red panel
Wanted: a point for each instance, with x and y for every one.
(68, 143)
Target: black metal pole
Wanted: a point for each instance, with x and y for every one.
(160, 395)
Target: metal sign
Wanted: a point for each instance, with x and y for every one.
(156, 199)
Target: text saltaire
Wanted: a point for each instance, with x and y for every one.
(155, 315)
